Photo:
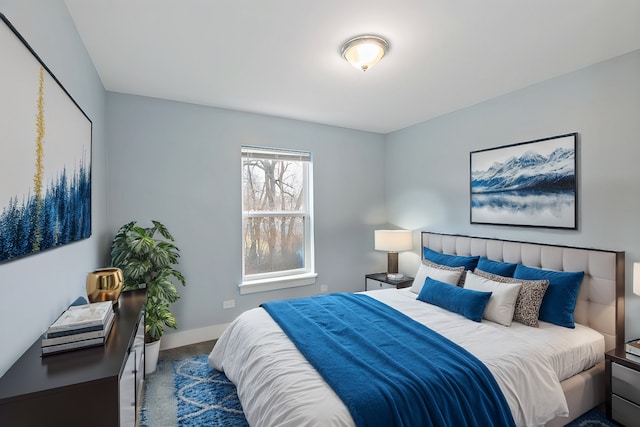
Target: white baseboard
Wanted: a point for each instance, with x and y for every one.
(192, 336)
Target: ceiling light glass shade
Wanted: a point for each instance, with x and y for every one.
(363, 52)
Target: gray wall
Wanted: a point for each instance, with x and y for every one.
(180, 164)
(37, 288)
(430, 191)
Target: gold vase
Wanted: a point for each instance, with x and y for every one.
(104, 284)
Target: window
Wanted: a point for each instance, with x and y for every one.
(277, 225)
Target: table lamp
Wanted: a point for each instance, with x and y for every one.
(393, 241)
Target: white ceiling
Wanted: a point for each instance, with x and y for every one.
(282, 57)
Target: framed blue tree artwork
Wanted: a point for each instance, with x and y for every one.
(45, 165)
(529, 184)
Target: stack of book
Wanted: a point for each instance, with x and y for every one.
(80, 326)
(633, 347)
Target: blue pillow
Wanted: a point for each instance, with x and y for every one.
(467, 302)
(559, 301)
(505, 269)
(468, 262)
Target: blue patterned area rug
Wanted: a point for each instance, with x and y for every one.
(189, 393)
(201, 396)
(594, 418)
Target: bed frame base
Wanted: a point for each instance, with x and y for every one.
(583, 392)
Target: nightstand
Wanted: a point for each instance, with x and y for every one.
(377, 281)
(622, 372)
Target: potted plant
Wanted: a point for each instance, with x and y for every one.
(148, 260)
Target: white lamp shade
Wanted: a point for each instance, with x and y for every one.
(636, 278)
(393, 240)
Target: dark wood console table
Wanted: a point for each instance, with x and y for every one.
(97, 386)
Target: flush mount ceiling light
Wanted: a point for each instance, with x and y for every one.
(363, 52)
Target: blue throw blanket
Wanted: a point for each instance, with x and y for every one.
(388, 369)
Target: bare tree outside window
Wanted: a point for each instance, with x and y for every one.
(275, 211)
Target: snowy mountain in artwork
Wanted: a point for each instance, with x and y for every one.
(529, 172)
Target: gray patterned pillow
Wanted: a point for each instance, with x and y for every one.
(529, 300)
(446, 267)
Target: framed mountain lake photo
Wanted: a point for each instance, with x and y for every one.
(529, 184)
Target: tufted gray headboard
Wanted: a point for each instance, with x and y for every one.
(600, 302)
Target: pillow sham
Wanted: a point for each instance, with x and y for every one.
(468, 262)
(451, 277)
(501, 268)
(529, 299)
(502, 303)
(446, 267)
(559, 301)
(469, 303)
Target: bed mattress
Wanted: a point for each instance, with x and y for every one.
(278, 387)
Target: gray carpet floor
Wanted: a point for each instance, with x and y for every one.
(187, 351)
(159, 385)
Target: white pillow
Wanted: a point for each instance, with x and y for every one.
(424, 271)
(502, 303)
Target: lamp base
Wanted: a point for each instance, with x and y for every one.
(392, 262)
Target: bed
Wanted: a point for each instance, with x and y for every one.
(278, 386)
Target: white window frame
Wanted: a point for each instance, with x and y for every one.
(252, 283)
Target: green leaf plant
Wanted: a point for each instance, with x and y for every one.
(147, 260)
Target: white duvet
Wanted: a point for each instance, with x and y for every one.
(278, 387)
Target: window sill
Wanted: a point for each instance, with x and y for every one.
(283, 282)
